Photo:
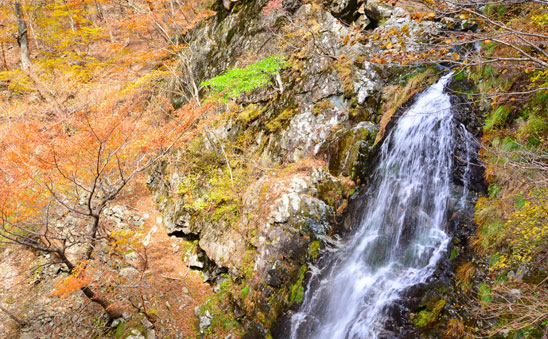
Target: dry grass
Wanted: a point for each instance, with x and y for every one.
(464, 275)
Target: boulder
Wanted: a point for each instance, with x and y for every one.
(345, 10)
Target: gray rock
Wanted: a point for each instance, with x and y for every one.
(131, 256)
(116, 322)
(128, 272)
(205, 321)
(28, 335)
(367, 83)
(193, 262)
(345, 10)
(119, 212)
(135, 334)
(363, 21)
(175, 248)
(376, 10)
(138, 222)
(146, 323)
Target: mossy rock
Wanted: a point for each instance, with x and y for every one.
(346, 73)
(345, 148)
(282, 120)
(430, 315)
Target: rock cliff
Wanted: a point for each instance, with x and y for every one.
(260, 194)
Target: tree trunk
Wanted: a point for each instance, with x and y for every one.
(26, 65)
(22, 37)
(111, 309)
(93, 236)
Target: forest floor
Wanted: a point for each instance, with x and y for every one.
(171, 290)
(177, 288)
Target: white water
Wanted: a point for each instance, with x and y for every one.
(402, 234)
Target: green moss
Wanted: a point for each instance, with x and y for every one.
(493, 190)
(244, 292)
(535, 115)
(427, 317)
(536, 130)
(187, 184)
(314, 249)
(484, 294)
(297, 290)
(281, 120)
(217, 306)
(120, 331)
(347, 149)
(249, 114)
(211, 190)
(322, 106)
(459, 76)
(489, 234)
(509, 144)
(454, 253)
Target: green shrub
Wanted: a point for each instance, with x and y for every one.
(237, 81)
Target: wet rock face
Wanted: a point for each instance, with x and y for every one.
(298, 210)
(468, 117)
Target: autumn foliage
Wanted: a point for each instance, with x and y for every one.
(80, 277)
(87, 117)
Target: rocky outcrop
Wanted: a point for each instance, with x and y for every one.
(264, 190)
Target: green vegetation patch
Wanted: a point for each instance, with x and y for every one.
(429, 316)
(238, 81)
(297, 290)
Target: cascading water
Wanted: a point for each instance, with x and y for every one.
(402, 234)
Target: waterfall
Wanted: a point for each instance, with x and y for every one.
(402, 232)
